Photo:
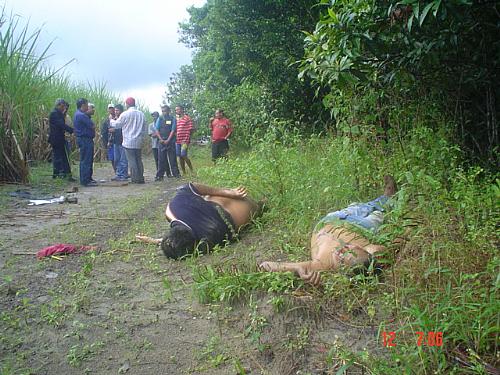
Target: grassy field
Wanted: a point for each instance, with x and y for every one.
(127, 307)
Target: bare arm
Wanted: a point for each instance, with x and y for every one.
(238, 193)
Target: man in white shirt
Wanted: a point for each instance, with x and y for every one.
(133, 125)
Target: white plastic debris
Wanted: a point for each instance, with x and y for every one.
(38, 202)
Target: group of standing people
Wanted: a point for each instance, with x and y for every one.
(170, 138)
(122, 134)
(84, 130)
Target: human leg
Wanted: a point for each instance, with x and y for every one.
(172, 161)
(121, 162)
(188, 162)
(135, 163)
(155, 156)
(111, 157)
(132, 163)
(178, 148)
(215, 152)
(162, 162)
(185, 158)
(140, 164)
(86, 146)
(57, 160)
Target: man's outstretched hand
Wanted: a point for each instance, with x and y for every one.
(310, 277)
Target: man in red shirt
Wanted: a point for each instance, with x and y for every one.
(221, 128)
(184, 130)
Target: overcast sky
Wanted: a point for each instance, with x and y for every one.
(131, 45)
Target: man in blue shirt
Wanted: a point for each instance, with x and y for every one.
(58, 127)
(85, 133)
(165, 132)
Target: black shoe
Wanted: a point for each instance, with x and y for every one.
(71, 179)
(158, 178)
(91, 183)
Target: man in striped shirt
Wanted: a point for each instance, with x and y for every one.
(184, 130)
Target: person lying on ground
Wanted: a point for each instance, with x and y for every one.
(202, 217)
(334, 245)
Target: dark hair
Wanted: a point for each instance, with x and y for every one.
(119, 107)
(165, 106)
(179, 241)
(81, 102)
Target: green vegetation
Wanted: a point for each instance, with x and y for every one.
(327, 97)
(445, 278)
(28, 90)
(402, 88)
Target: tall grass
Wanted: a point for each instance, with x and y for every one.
(28, 89)
(445, 278)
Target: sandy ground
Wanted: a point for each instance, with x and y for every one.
(125, 308)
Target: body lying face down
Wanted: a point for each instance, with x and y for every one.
(202, 217)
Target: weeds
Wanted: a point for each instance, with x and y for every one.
(77, 354)
(442, 277)
(214, 353)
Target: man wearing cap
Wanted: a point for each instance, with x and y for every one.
(154, 137)
(58, 127)
(133, 125)
(85, 133)
(105, 138)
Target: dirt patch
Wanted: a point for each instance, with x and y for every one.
(125, 308)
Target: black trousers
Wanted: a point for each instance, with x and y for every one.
(167, 161)
(60, 161)
(220, 149)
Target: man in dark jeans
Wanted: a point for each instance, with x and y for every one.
(165, 132)
(85, 133)
(58, 127)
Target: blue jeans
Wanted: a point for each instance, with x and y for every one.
(86, 146)
(121, 161)
(367, 215)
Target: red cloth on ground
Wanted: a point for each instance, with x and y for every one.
(59, 249)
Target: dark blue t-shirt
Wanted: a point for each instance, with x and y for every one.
(208, 220)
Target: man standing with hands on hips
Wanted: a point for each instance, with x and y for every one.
(221, 128)
(133, 125)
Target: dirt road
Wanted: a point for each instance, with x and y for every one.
(125, 308)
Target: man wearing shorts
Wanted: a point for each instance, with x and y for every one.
(334, 245)
(184, 130)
